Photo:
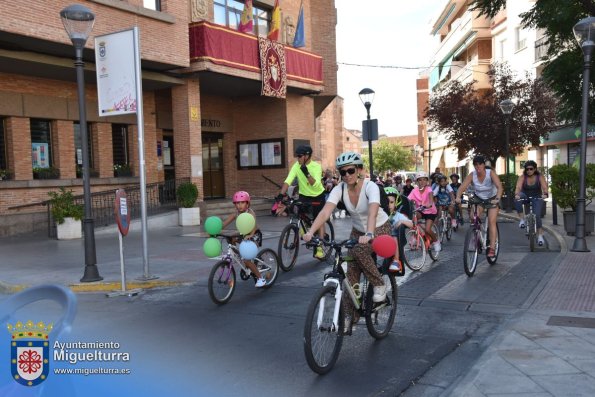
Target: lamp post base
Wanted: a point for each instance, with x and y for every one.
(580, 245)
(91, 274)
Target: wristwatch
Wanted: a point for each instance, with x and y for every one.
(369, 234)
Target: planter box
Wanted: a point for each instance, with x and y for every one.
(69, 230)
(189, 216)
(570, 222)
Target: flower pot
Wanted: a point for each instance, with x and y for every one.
(69, 230)
(189, 216)
(570, 222)
(122, 173)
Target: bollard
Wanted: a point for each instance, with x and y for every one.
(554, 212)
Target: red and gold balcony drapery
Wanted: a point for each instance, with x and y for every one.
(224, 46)
(272, 63)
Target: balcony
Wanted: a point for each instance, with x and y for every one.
(541, 48)
(227, 52)
(474, 71)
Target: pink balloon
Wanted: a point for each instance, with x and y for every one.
(384, 246)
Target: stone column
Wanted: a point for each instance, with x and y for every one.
(103, 151)
(18, 145)
(63, 148)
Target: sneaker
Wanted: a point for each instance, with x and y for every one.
(522, 223)
(540, 240)
(261, 282)
(395, 266)
(319, 253)
(379, 294)
(436, 246)
(491, 253)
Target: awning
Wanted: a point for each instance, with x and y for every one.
(435, 159)
(445, 67)
(434, 77)
(451, 157)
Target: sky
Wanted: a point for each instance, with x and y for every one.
(384, 32)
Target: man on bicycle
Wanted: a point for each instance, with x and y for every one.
(488, 188)
(309, 176)
(444, 197)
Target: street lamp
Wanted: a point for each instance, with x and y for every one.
(78, 22)
(429, 155)
(506, 106)
(367, 97)
(584, 32)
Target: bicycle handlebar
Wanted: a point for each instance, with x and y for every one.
(349, 243)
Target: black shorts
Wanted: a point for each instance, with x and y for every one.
(431, 217)
(316, 203)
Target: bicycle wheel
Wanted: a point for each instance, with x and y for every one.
(257, 238)
(530, 224)
(434, 254)
(414, 251)
(441, 227)
(448, 228)
(493, 260)
(222, 282)
(381, 316)
(268, 266)
(322, 338)
(329, 235)
(471, 251)
(289, 245)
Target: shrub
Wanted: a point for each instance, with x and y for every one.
(186, 194)
(513, 180)
(63, 206)
(565, 184)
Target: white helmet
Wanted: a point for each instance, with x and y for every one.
(348, 158)
(421, 174)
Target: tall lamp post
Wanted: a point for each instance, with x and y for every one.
(506, 106)
(78, 22)
(429, 155)
(584, 32)
(367, 97)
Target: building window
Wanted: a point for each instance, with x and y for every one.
(152, 4)
(78, 148)
(268, 153)
(520, 39)
(120, 144)
(41, 143)
(229, 13)
(502, 49)
(3, 157)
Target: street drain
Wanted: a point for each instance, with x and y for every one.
(578, 322)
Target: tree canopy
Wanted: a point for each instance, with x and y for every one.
(389, 156)
(564, 60)
(472, 119)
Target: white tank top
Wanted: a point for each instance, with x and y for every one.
(486, 189)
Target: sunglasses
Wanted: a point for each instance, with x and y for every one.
(529, 169)
(299, 156)
(349, 171)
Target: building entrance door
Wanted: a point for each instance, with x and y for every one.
(212, 166)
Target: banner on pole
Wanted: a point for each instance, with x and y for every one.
(116, 73)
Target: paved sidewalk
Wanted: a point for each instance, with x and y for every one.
(548, 348)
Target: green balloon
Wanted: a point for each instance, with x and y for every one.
(213, 225)
(245, 223)
(212, 247)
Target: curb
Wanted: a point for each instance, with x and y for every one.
(6, 288)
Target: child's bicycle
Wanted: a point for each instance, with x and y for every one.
(222, 279)
(477, 238)
(417, 244)
(324, 327)
(530, 221)
(444, 224)
(299, 224)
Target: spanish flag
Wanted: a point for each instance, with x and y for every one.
(275, 23)
(247, 19)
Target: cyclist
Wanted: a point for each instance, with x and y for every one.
(309, 176)
(531, 185)
(444, 196)
(241, 200)
(422, 196)
(362, 200)
(408, 187)
(399, 221)
(487, 187)
(455, 184)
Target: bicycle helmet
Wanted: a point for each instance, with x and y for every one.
(391, 191)
(241, 196)
(349, 158)
(303, 150)
(421, 175)
(454, 176)
(440, 177)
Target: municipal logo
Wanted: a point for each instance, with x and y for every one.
(29, 352)
(102, 49)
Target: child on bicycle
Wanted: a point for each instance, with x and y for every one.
(422, 196)
(241, 200)
(444, 197)
(398, 222)
(455, 185)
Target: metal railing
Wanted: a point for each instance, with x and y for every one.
(541, 48)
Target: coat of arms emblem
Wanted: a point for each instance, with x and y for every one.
(29, 352)
(274, 66)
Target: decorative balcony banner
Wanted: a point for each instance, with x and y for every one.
(272, 65)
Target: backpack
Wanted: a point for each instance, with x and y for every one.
(383, 199)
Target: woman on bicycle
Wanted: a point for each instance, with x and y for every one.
(362, 200)
(532, 186)
(487, 187)
(422, 196)
(241, 200)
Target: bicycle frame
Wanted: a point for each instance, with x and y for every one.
(477, 224)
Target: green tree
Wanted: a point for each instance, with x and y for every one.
(472, 119)
(564, 60)
(389, 156)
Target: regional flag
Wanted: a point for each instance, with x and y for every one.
(275, 23)
(247, 19)
(300, 39)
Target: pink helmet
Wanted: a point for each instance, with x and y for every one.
(241, 196)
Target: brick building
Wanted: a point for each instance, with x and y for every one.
(204, 116)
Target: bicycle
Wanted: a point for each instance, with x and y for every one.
(444, 224)
(222, 279)
(530, 222)
(418, 245)
(477, 238)
(299, 224)
(323, 329)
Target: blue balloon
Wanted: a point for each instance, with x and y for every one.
(248, 249)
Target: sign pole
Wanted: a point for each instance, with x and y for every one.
(122, 269)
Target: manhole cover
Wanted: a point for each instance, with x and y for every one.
(578, 322)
